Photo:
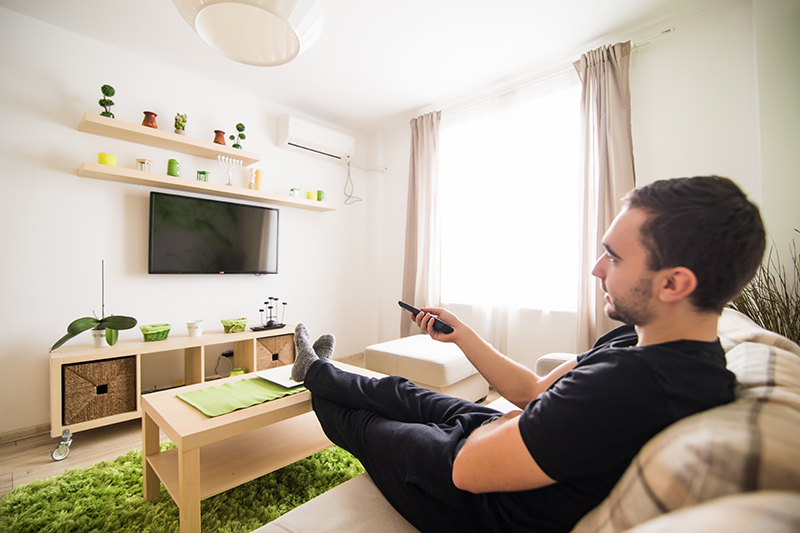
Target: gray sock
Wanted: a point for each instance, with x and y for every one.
(323, 347)
(304, 354)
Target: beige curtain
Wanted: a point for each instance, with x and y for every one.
(422, 269)
(607, 170)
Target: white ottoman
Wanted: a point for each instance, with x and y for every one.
(438, 366)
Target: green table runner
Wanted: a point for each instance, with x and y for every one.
(229, 397)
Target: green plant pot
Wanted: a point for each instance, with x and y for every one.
(234, 325)
(155, 332)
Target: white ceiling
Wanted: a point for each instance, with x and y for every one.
(380, 62)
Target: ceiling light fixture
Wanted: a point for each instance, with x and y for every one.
(255, 32)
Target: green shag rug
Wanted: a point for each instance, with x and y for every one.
(108, 497)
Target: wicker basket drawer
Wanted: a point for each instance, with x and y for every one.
(98, 389)
(274, 351)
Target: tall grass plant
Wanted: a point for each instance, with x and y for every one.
(772, 298)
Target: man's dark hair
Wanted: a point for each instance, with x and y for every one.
(707, 225)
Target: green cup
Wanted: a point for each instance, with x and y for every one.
(173, 168)
(237, 371)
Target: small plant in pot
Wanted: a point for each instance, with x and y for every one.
(239, 137)
(180, 123)
(108, 325)
(106, 102)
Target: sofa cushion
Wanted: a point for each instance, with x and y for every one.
(755, 512)
(748, 445)
(355, 506)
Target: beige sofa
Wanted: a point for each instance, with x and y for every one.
(735, 468)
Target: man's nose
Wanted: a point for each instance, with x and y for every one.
(598, 271)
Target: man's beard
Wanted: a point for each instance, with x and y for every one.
(633, 308)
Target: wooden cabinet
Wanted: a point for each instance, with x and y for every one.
(93, 387)
(274, 351)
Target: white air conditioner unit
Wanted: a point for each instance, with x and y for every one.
(303, 136)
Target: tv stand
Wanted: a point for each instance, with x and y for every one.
(92, 387)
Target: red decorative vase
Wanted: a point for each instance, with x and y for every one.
(219, 137)
(150, 120)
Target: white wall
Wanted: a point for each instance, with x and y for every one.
(695, 101)
(720, 96)
(777, 27)
(388, 222)
(57, 227)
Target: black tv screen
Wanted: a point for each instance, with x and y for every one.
(197, 236)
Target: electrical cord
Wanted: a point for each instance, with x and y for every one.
(230, 364)
(349, 188)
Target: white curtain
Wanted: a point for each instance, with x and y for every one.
(607, 170)
(509, 188)
(422, 268)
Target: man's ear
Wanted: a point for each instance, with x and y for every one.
(676, 284)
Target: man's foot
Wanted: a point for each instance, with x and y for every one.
(305, 354)
(323, 347)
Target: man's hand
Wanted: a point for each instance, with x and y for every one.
(424, 320)
(495, 459)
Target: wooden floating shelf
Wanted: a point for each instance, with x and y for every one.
(168, 140)
(151, 179)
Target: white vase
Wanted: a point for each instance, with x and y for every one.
(99, 337)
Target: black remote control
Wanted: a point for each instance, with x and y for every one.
(438, 325)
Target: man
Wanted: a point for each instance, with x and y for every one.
(676, 254)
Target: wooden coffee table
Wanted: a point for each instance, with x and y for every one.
(213, 455)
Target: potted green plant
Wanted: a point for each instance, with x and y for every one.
(772, 298)
(180, 124)
(239, 137)
(108, 325)
(106, 102)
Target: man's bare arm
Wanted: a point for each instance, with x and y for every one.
(515, 382)
(495, 459)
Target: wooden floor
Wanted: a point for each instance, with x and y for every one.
(29, 459)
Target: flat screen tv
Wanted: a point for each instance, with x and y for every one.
(198, 236)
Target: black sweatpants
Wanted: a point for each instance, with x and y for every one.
(407, 438)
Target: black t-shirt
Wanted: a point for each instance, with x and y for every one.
(588, 426)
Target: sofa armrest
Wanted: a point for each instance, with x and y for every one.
(547, 363)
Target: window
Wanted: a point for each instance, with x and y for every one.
(509, 199)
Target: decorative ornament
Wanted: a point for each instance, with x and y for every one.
(150, 120)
